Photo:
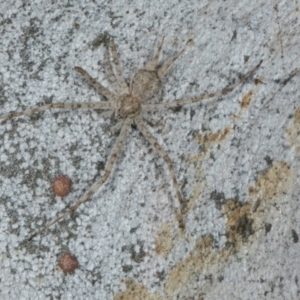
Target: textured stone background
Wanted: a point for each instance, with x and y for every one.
(236, 157)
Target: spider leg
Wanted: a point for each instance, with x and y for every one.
(152, 140)
(152, 65)
(178, 103)
(119, 76)
(165, 67)
(79, 105)
(108, 168)
(111, 76)
(98, 86)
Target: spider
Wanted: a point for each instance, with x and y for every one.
(128, 105)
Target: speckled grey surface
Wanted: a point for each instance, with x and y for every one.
(115, 234)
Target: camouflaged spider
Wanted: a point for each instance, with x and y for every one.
(128, 104)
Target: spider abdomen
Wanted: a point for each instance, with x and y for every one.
(145, 84)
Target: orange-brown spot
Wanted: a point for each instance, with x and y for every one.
(68, 263)
(62, 186)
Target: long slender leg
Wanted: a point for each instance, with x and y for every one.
(178, 103)
(166, 66)
(108, 168)
(98, 86)
(152, 65)
(152, 140)
(79, 105)
(120, 77)
(110, 72)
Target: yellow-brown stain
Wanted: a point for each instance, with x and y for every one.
(246, 99)
(272, 183)
(211, 138)
(207, 139)
(239, 225)
(294, 132)
(243, 225)
(183, 277)
(135, 291)
(164, 240)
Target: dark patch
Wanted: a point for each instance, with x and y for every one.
(246, 58)
(295, 236)
(126, 268)
(133, 230)
(133, 126)
(268, 160)
(268, 227)
(137, 257)
(161, 275)
(226, 91)
(218, 198)
(256, 205)
(76, 25)
(101, 39)
(209, 278)
(48, 100)
(192, 113)
(176, 109)
(233, 36)
(244, 227)
(100, 166)
(239, 223)
(258, 81)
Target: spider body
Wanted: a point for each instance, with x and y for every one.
(128, 104)
(145, 84)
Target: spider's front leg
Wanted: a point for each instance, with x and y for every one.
(178, 103)
(119, 75)
(98, 86)
(147, 82)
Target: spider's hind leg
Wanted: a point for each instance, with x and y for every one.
(181, 211)
(108, 169)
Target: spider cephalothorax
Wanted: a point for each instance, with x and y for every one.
(127, 106)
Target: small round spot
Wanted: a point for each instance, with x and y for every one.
(62, 186)
(68, 263)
